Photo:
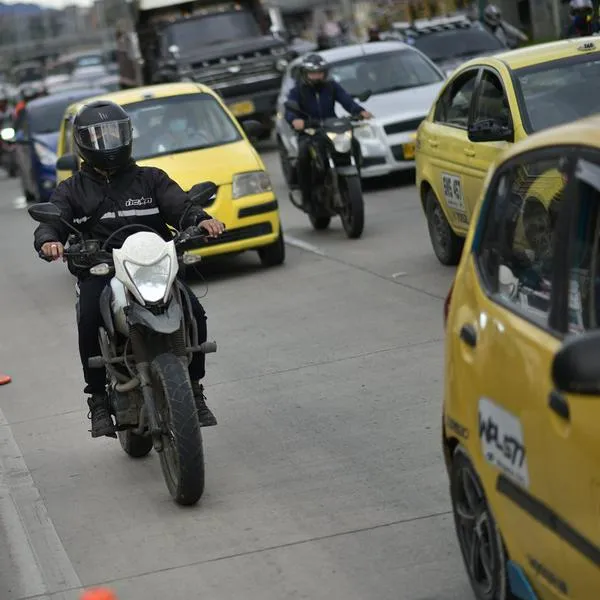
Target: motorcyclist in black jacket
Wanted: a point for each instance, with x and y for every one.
(111, 191)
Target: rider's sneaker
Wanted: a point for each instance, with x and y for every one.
(205, 415)
(99, 415)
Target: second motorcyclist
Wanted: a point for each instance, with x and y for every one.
(316, 96)
(582, 22)
(111, 191)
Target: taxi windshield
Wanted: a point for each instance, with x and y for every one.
(559, 91)
(179, 124)
(384, 72)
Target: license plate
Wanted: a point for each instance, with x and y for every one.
(240, 109)
(408, 151)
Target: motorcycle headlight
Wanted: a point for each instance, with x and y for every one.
(341, 141)
(150, 280)
(248, 184)
(46, 156)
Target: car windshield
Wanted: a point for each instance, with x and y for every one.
(385, 72)
(91, 60)
(179, 124)
(213, 29)
(457, 43)
(559, 91)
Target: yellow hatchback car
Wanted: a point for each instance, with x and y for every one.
(521, 415)
(485, 106)
(186, 130)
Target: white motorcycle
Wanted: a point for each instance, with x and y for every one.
(147, 341)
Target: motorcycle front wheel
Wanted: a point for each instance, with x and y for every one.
(353, 211)
(182, 458)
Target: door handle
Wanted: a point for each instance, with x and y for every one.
(469, 152)
(468, 335)
(558, 403)
(434, 143)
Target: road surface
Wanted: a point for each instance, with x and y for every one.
(325, 477)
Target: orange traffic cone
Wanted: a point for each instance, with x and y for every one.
(4, 379)
(99, 594)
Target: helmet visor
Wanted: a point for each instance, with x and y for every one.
(105, 136)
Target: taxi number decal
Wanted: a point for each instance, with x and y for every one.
(453, 192)
(502, 442)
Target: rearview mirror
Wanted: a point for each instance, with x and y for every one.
(67, 162)
(253, 128)
(202, 193)
(364, 96)
(44, 212)
(576, 366)
(490, 130)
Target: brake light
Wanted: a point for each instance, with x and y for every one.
(447, 303)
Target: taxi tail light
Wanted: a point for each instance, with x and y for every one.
(447, 303)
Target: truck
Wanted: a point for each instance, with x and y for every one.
(226, 46)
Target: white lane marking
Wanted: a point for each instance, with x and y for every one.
(41, 560)
(298, 243)
(399, 274)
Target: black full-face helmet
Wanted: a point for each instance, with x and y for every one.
(102, 134)
(314, 63)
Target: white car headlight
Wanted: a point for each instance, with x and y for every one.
(364, 132)
(341, 141)
(281, 64)
(150, 280)
(248, 184)
(46, 156)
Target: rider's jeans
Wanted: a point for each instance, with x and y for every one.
(90, 320)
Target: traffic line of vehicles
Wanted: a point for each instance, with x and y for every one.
(508, 176)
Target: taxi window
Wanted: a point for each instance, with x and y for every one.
(492, 102)
(584, 261)
(455, 103)
(516, 253)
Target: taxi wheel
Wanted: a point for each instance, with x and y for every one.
(478, 536)
(447, 246)
(273, 255)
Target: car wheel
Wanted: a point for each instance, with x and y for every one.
(286, 164)
(447, 246)
(273, 255)
(479, 539)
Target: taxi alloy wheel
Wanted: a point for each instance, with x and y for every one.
(447, 246)
(478, 536)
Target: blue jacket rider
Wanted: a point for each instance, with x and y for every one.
(316, 97)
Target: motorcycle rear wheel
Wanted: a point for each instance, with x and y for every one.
(182, 459)
(136, 446)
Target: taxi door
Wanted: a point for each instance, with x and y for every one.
(502, 346)
(445, 141)
(573, 419)
(490, 102)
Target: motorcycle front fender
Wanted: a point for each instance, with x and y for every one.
(167, 322)
(347, 171)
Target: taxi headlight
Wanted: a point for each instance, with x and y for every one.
(248, 184)
(150, 280)
(341, 141)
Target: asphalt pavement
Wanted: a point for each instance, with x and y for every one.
(325, 477)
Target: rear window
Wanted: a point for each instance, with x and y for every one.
(457, 43)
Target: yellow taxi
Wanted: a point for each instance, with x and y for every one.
(485, 106)
(187, 131)
(521, 412)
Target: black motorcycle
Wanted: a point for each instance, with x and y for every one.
(335, 174)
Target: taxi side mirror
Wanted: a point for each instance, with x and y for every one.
(576, 366)
(490, 130)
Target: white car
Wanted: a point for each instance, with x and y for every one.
(404, 83)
